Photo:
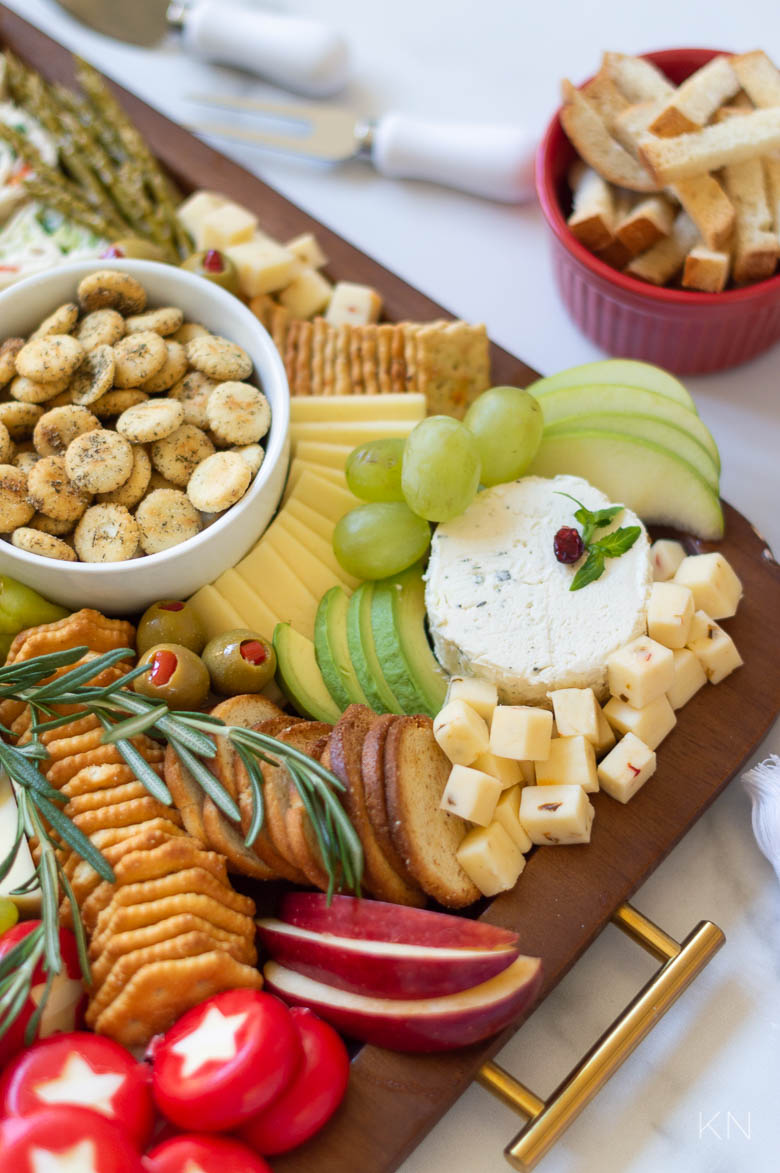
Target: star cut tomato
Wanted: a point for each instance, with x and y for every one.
(208, 1154)
(224, 1060)
(64, 1139)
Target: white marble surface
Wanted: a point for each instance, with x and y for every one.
(718, 1050)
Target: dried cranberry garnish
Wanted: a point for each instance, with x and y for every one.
(567, 544)
(213, 262)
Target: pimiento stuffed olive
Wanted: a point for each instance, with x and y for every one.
(170, 621)
(177, 677)
(239, 661)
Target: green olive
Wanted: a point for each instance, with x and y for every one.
(178, 677)
(214, 266)
(136, 248)
(173, 622)
(239, 661)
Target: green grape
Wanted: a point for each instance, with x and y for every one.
(377, 540)
(374, 470)
(9, 914)
(441, 468)
(507, 424)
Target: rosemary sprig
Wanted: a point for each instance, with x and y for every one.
(125, 714)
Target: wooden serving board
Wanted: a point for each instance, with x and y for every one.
(567, 894)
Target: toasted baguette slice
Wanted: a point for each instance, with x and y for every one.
(373, 771)
(661, 262)
(187, 794)
(639, 80)
(225, 837)
(650, 221)
(709, 207)
(696, 100)
(590, 136)
(756, 245)
(759, 78)
(706, 269)
(593, 218)
(712, 147)
(416, 772)
(246, 710)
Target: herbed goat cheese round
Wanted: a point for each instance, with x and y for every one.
(499, 604)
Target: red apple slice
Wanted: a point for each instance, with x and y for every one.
(383, 969)
(377, 920)
(419, 1024)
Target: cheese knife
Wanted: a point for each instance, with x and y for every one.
(491, 160)
(294, 52)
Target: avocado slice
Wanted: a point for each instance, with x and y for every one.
(398, 626)
(299, 677)
(332, 649)
(360, 640)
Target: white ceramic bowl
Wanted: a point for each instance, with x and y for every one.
(124, 587)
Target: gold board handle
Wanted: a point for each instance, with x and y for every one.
(549, 1119)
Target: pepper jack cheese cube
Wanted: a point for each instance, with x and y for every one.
(715, 651)
(556, 814)
(716, 588)
(626, 768)
(651, 723)
(307, 294)
(490, 859)
(505, 770)
(669, 613)
(226, 225)
(572, 762)
(606, 738)
(508, 815)
(471, 794)
(482, 695)
(521, 732)
(576, 712)
(353, 305)
(461, 733)
(640, 671)
(307, 249)
(666, 556)
(262, 265)
(689, 676)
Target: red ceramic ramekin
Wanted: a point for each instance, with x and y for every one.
(686, 332)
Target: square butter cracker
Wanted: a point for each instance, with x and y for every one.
(453, 366)
(368, 351)
(319, 337)
(343, 374)
(301, 384)
(397, 360)
(356, 361)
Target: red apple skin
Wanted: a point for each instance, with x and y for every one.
(411, 1027)
(365, 971)
(376, 920)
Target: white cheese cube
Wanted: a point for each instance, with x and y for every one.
(528, 770)
(471, 794)
(640, 671)
(307, 249)
(353, 305)
(576, 712)
(626, 768)
(508, 772)
(572, 762)
(716, 588)
(490, 859)
(307, 294)
(556, 814)
(651, 723)
(195, 209)
(226, 225)
(606, 738)
(262, 265)
(508, 815)
(666, 556)
(669, 613)
(715, 651)
(689, 676)
(521, 732)
(23, 867)
(461, 733)
(482, 695)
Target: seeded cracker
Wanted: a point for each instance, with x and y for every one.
(173, 369)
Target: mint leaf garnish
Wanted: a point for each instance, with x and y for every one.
(591, 569)
(598, 549)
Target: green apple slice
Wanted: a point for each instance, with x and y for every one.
(656, 484)
(332, 649)
(299, 676)
(619, 372)
(658, 431)
(362, 652)
(398, 626)
(620, 401)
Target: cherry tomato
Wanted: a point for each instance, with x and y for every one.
(314, 1094)
(224, 1060)
(83, 1069)
(64, 1139)
(64, 1010)
(207, 1154)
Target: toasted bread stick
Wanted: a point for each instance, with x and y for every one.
(712, 147)
(756, 246)
(759, 78)
(590, 136)
(593, 219)
(708, 206)
(697, 99)
(636, 78)
(660, 263)
(706, 269)
(650, 221)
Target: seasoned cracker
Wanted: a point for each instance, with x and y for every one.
(50, 359)
(219, 482)
(107, 533)
(177, 456)
(134, 488)
(150, 421)
(219, 358)
(20, 418)
(167, 517)
(95, 376)
(164, 321)
(61, 321)
(99, 461)
(115, 402)
(253, 454)
(15, 508)
(111, 289)
(59, 426)
(24, 459)
(44, 545)
(137, 357)
(26, 390)
(8, 352)
(193, 393)
(50, 490)
(238, 413)
(189, 330)
(100, 328)
(7, 446)
(173, 369)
